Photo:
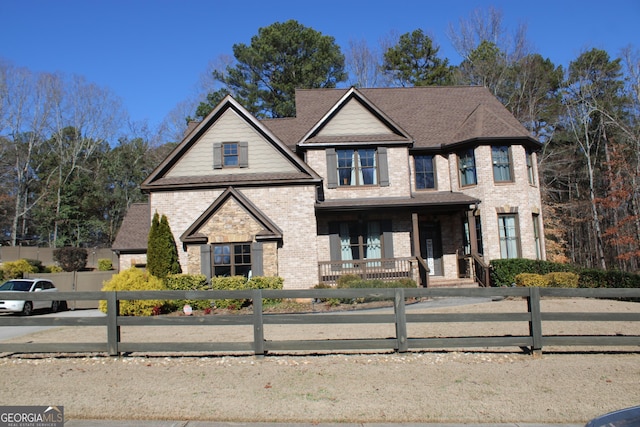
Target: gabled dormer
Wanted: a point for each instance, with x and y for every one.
(355, 137)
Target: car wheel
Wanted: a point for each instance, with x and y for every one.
(55, 306)
(27, 309)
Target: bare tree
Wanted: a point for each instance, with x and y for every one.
(26, 102)
(487, 25)
(84, 117)
(362, 64)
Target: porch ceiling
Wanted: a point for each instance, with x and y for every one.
(433, 199)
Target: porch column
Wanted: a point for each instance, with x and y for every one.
(473, 237)
(415, 250)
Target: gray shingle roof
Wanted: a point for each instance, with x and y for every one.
(134, 231)
(432, 115)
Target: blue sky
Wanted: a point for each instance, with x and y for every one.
(152, 53)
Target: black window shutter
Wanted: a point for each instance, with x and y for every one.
(217, 155)
(257, 266)
(332, 168)
(387, 241)
(205, 261)
(335, 248)
(243, 158)
(383, 167)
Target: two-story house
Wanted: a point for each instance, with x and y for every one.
(391, 182)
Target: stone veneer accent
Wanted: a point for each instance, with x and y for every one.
(290, 208)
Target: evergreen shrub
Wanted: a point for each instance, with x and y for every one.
(17, 269)
(504, 271)
(188, 282)
(135, 279)
(232, 283)
(105, 264)
(531, 280)
(562, 279)
(71, 259)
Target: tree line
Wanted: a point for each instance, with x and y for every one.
(70, 177)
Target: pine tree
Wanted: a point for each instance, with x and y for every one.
(172, 263)
(154, 250)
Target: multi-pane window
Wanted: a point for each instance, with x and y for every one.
(425, 172)
(500, 155)
(232, 259)
(467, 167)
(536, 236)
(509, 239)
(357, 167)
(530, 176)
(360, 240)
(230, 154)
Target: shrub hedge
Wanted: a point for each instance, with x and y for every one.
(351, 281)
(187, 282)
(237, 283)
(504, 272)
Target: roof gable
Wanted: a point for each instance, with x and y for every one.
(269, 230)
(353, 118)
(192, 161)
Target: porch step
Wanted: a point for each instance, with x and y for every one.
(438, 282)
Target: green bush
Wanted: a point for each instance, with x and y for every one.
(344, 280)
(531, 280)
(504, 271)
(233, 283)
(17, 269)
(593, 278)
(264, 282)
(134, 279)
(37, 264)
(188, 282)
(329, 301)
(105, 264)
(70, 258)
(53, 269)
(561, 279)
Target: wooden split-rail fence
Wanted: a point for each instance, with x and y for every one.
(533, 317)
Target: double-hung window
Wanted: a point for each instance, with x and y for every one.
(509, 239)
(230, 155)
(353, 241)
(357, 167)
(501, 158)
(232, 259)
(360, 241)
(467, 167)
(536, 235)
(530, 176)
(425, 172)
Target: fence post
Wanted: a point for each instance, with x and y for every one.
(401, 320)
(113, 330)
(258, 325)
(535, 324)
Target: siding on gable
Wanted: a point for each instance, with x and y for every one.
(230, 127)
(354, 119)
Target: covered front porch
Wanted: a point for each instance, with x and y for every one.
(425, 238)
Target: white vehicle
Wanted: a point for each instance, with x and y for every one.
(27, 307)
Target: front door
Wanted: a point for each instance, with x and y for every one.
(431, 247)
